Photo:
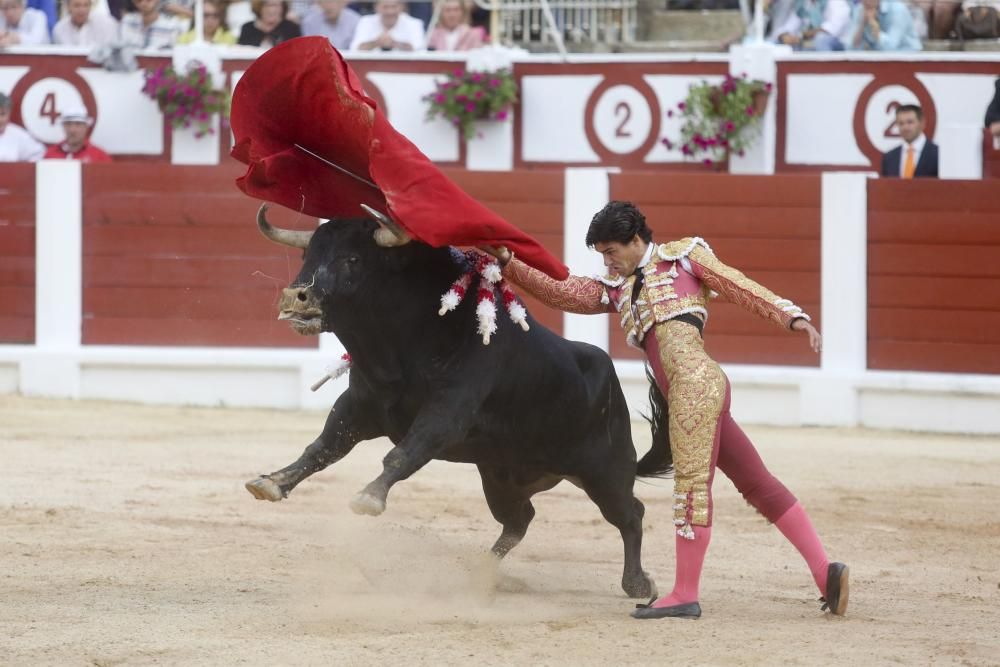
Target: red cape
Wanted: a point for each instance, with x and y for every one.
(302, 92)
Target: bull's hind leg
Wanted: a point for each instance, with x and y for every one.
(612, 493)
(346, 426)
(509, 499)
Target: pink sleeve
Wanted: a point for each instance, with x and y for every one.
(584, 296)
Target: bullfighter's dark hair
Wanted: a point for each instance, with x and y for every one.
(911, 107)
(618, 221)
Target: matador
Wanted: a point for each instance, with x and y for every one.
(661, 292)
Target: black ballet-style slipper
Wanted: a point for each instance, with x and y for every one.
(837, 589)
(686, 610)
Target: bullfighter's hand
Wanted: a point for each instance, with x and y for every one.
(502, 254)
(815, 340)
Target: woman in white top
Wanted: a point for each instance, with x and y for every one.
(453, 32)
(388, 29)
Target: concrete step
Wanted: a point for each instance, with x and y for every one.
(673, 26)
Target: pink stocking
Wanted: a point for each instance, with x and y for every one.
(690, 558)
(798, 529)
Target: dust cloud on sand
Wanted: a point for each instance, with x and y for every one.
(126, 538)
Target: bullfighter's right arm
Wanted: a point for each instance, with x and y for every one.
(584, 296)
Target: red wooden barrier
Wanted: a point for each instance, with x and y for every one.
(766, 226)
(934, 276)
(17, 253)
(172, 255)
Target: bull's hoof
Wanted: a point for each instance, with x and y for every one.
(366, 503)
(643, 587)
(264, 488)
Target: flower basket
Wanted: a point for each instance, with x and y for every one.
(720, 120)
(189, 99)
(465, 97)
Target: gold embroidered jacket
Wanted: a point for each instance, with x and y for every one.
(678, 278)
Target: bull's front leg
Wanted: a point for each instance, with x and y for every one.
(347, 424)
(442, 422)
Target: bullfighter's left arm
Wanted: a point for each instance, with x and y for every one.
(741, 290)
(584, 296)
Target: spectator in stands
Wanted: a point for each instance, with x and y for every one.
(921, 155)
(453, 32)
(76, 125)
(979, 19)
(22, 25)
(213, 30)
(238, 13)
(389, 29)
(993, 111)
(883, 25)
(16, 145)
(271, 27)
(80, 27)
(817, 25)
(940, 16)
(332, 19)
(48, 7)
(147, 28)
(182, 10)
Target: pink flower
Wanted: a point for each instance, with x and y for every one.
(459, 72)
(439, 98)
(729, 126)
(479, 94)
(666, 142)
(707, 162)
(768, 86)
(494, 83)
(686, 149)
(749, 111)
(670, 113)
(501, 115)
(470, 107)
(681, 106)
(477, 77)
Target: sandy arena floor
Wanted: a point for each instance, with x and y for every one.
(128, 539)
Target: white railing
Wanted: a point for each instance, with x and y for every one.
(555, 22)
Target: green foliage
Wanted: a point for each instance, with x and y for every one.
(187, 99)
(464, 97)
(718, 120)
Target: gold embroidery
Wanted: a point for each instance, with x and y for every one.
(696, 393)
(574, 295)
(743, 291)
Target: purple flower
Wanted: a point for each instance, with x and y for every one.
(743, 75)
(459, 72)
(740, 153)
(749, 111)
(439, 98)
(477, 77)
(501, 115)
(768, 86)
(686, 149)
(666, 142)
(494, 83)
(470, 107)
(670, 113)
(681, 106)
(707, 162)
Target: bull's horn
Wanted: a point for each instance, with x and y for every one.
(389, 234)
(287, 237)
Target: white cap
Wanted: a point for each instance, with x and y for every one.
(75, 114)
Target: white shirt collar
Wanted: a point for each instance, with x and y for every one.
(918, 143)
(650, 247)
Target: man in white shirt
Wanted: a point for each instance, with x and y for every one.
(817, 25)
(21, 25)
(917, 157)
(388, 29)
(147, 28)
(78, 27)
(16, 145)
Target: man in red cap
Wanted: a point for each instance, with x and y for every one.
(76, 124)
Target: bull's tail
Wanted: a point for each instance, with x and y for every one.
(658, 461)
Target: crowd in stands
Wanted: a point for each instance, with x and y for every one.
(385, 25)
(878, 25)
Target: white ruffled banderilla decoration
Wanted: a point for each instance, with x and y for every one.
(490, 279)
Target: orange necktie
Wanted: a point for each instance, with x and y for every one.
(908, 166)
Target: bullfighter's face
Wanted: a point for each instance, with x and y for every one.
(622, 258)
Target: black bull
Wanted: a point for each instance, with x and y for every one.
(530, 409)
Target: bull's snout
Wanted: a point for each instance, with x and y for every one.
(299, 306)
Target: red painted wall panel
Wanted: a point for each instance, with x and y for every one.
(17, 253)
(934, 276)
(172, 256)
(766, 226)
